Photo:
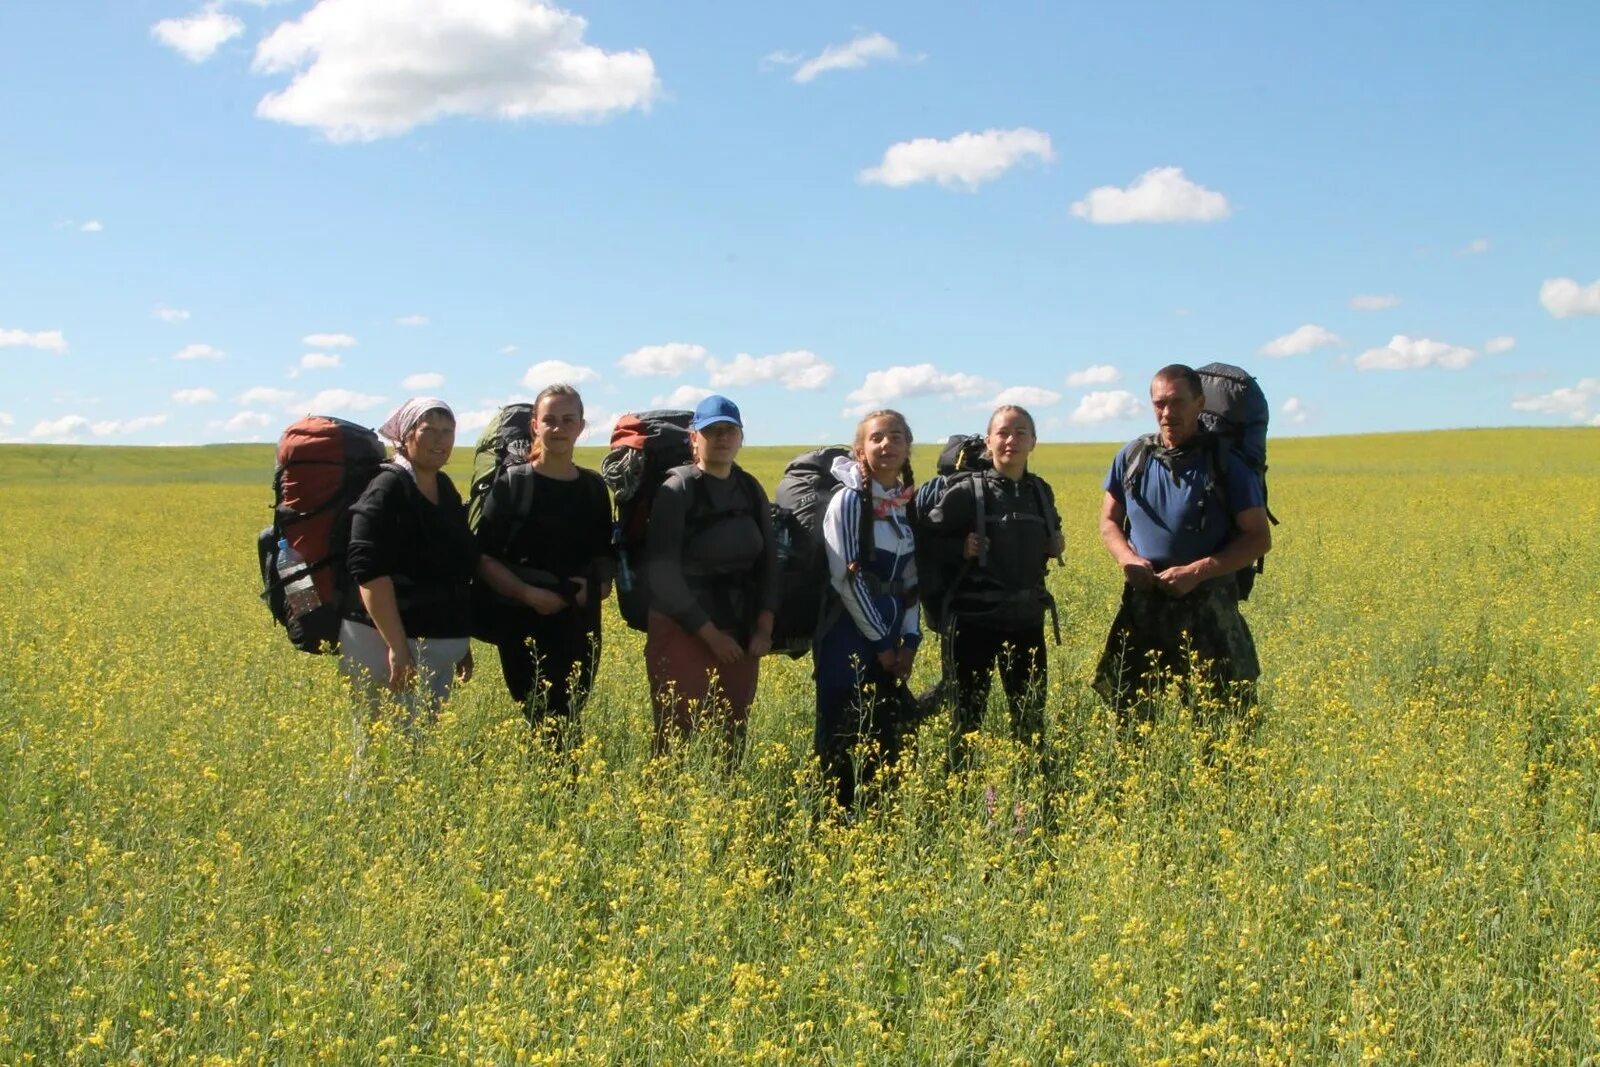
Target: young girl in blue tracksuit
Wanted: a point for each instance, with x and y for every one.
(862, 659)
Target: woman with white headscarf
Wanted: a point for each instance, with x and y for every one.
(412, 556)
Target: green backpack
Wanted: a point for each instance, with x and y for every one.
(505, 443)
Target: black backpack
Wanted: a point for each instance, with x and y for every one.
(323, 466)
(644, 448)
(505, 442)
(798, 508)
(1004, 586)
(1235, 420)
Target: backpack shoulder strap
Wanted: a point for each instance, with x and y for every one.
(1136, 453)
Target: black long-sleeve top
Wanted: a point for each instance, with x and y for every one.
(426, 549)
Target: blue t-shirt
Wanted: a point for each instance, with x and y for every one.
(1177, 520)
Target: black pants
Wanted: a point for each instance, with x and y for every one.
(870, 713)
(548, 663)
(975, 651)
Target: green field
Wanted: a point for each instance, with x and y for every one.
(1396, 862)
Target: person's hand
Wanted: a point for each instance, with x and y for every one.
(1139, 573)
(974, 546)
(760, 643)
(402, 669)
(543, 601)
(904, 659)
(724, 649)
(1178, 581)
(464, 667)
(581, 597)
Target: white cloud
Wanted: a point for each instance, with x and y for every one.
(684, 396)
(796, 370)
(365, 69)
(65, 426)
(1496, 345)
(198, 351)
(1580, 403)
(198, 36)
(241, 421)
(1108, 406)
(92, 226)
(418, 383)
(673, 358)
(109, 427)
(265, 394)
(1096, 374)
(1374, 302)
(166, 314)
(965, 161)
(1405, 353)
(43, 340)
(508, 350)
(1476, 247)
(411, 320)
(320, 360)
(1161, 194)
(892, 384)
(5, 419)
(1026, 396)
(474, 420)
(551, 371)
(1294, 410)
(1300, 341)
(851, 56)
(1564, 297)
(340, 400)
(329, 340)
(194, 396)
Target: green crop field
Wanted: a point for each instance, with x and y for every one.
(1394, 861)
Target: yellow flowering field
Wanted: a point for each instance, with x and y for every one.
(1396, 859)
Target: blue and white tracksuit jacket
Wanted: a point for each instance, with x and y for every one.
(871, 621)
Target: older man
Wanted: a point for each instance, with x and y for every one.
(1182, 513)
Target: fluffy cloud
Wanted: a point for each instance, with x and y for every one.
(1405, 353)
(198, 351)
(1096, 374)
(411, 320)
(1373, 302)
(92, 226)
(43, 340)
(1162, 194)
(365, 69)
(340, 400)
(242, 421)
(851, 56)
(795, 370)
(1027, 396)
(417, 383)
(265, 394)
(684, 396)
(1580, 403)
(194, 396)
(171, 314)
(109, 427)
(1476, 247)
(5, 419)
(320, 360)
(1110, 406)
(965, 161)
(672, 358)
(892, 384)
(551, 371)
(1294, 410)
(1496, 345)
(329, 340)
(1298, 342)
(1564, 297)
(198, 36)
(65, 426)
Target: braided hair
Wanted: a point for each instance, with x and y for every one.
(859, 449)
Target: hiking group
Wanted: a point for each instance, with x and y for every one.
(850, 563)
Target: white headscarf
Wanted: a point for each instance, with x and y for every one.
(407, 415)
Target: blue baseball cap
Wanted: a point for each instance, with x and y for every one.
(714, 409)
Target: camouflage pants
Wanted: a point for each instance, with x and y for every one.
(1156, 634)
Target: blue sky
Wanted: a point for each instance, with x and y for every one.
(215, 216)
